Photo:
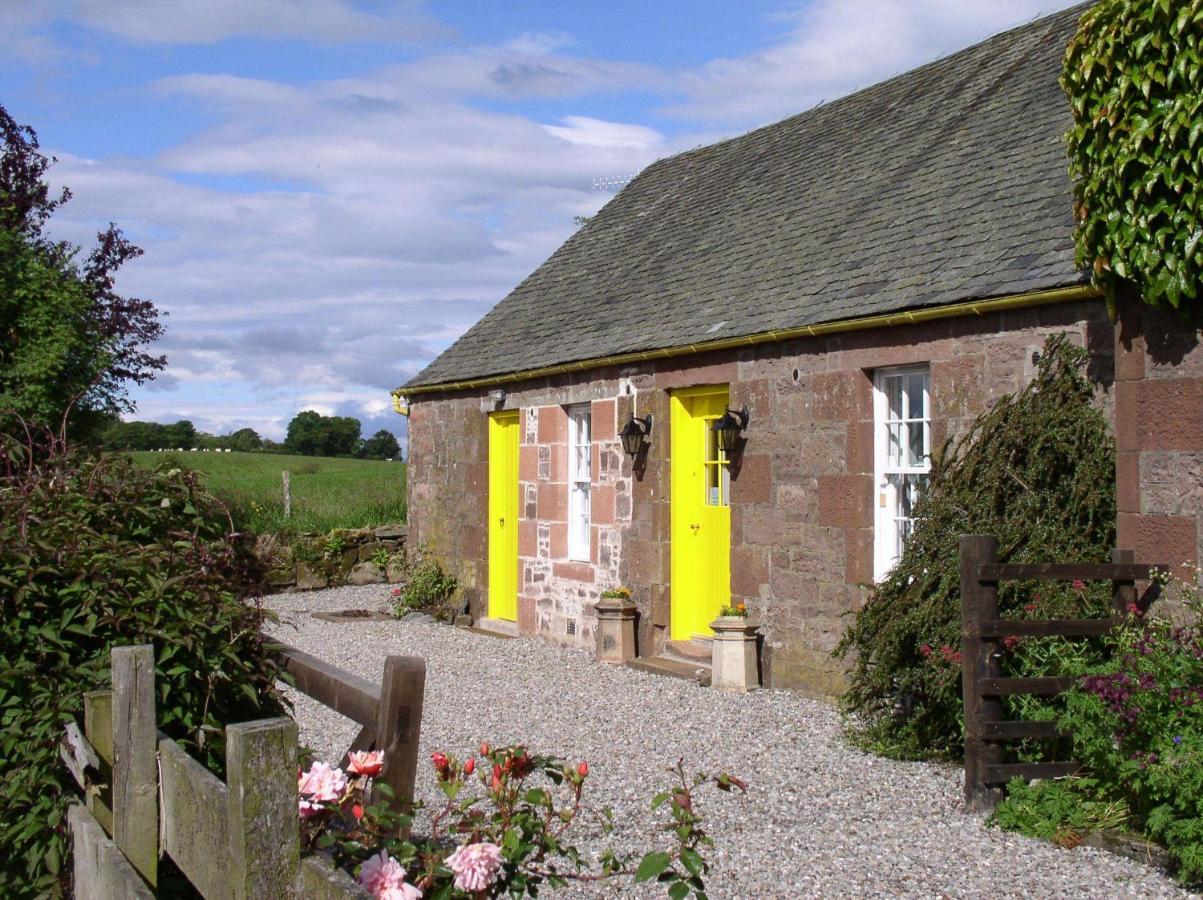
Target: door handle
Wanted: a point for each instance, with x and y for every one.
(695, 526)
(501, 521)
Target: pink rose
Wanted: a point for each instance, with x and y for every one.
(306, 809)
(383, 877)
(323, 782)
(369, 764)
(475, 866)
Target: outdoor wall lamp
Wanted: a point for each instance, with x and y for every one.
(635, 435)
(730, 427)
(497, 395)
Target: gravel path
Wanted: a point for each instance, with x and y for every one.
(820, 818)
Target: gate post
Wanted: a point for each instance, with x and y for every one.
(979, 659)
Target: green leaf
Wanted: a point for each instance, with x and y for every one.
(652, 865)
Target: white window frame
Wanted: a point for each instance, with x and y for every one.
(580, 478)
(889, 475)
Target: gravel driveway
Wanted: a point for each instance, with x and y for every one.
(820, 818)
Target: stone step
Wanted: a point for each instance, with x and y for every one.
(698, 650)
(673, 668)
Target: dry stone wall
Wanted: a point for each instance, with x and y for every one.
(344, 556)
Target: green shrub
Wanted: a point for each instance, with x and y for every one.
(1062, 810)
(1038, 472)
(97, 553)
(426, 586)
(1134, 76)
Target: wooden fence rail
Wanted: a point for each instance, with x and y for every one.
(144, 796)
(986, 730)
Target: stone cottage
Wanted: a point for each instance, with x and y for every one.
(834, 295)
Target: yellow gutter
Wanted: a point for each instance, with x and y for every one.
(860, 323)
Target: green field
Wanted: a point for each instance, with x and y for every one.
(326, 493)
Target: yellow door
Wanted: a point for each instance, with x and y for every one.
(503, 516)
(701, 514)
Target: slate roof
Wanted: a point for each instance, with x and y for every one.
(944, 184)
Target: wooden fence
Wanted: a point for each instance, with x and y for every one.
(144, 796)
(982, 683)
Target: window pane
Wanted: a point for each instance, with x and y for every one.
(915, 451)
(893, 391)
(894, 448)
(915, 383)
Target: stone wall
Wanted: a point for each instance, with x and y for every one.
(1159, 435)
(344, 556)
(801, 489)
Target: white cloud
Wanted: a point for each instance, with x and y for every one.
(836, 46)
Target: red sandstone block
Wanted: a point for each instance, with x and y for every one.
(859, 564)
(1129, 350)
(722, 372)
(956, 387)
(527, 615)
(844, 501)
(553, 425)
(749, 570)
(601, 504)
(1167, 540)
(552, 504)
(753, 480)
(834, 396)
(860, 448)
(603, 420)
(528, 538)
(528, 463)
(1168, 412)
(594, 532)
(1126, 414)
(559, 540)
(573, 571)
(1127, 481)
(559, 462)
(764, 525)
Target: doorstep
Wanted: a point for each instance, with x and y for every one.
(672, 668)
(501, 628)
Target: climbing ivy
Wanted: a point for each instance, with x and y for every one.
(1134, 76)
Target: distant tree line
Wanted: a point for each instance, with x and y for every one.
(309, 434)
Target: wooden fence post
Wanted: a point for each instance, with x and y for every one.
(1122, 592)
(135, 800)
(399, 725)
(979, 659)
(264, 828)
(287, 495)
(98, 729)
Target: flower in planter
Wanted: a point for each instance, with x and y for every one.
(383, 877)
(367, 764)
(475, 866)
(740, 610)
(618, 593)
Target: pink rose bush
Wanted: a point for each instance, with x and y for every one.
(507, 815)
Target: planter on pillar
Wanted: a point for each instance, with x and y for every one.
(734, 663)
(615, 630)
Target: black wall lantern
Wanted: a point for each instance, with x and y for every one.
(635, 434)
(729, 428)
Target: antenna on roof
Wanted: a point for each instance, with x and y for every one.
(614, 182)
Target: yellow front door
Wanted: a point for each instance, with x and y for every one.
(503, 516)
(701, 513)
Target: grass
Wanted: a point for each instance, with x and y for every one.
(326, 493)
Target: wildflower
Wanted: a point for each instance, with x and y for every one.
(1078, 584)
(925, 650)
(1177, 739)
(369, 764)
(583, 769)
(306, 809)
(470, 766)
(440, 762)
(484, 749)
(1029, 607)
(384, 878)
(1011, 641)
(475, 866)
(323, 782)
(495, 784)
(357, 811)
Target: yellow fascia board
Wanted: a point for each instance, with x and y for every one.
(859, 323)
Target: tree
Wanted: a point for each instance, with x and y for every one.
(382, 445)
(312, 434)
(69, 343)
(245, 440)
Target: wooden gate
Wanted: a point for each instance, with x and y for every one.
(145, 796)
(982, 684)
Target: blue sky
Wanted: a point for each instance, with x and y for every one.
(329, 192)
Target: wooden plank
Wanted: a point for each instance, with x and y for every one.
(317, 879)
(1001, 774)
(996, 628)
(99, 870)
(399, 725)
(135, 771)
(98, 729)
(264, 828)
(1045, 686)
(1019, 730)
(346, 694)
(78, 756)
(1123, 592)
(979, 661)
(1065, 571)
(195, 803)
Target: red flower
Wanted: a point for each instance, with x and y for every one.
(1078, 584)
(357, 812)
(925, 650)
(470, 766)
(1029, 607)
(1135, 610)
(583, 769)
(440, 761)
(484, 749)
(495, 784)
(1011, 641)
